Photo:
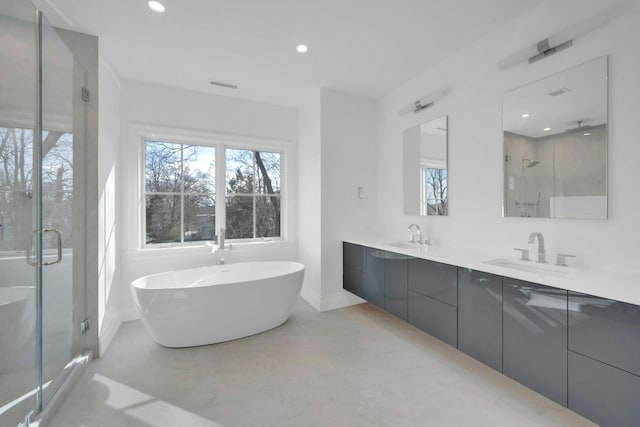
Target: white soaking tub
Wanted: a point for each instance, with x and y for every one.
(207, 305)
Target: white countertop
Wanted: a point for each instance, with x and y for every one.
(613, 285)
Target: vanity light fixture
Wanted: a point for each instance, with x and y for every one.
(423, 103)
(525, 115)
(156, 6)
(587, 133)
(546, 129)
(555, 43)
(302, 48)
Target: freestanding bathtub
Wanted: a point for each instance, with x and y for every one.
(207, 305)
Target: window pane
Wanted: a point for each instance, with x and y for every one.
(199, 169)
(16, 186)
(239, 211)
(239, 173)
(57, 183)
(436, 191)
(267, 172)
(163, 219)
(199, 218)
(267, 216)
(162, 167)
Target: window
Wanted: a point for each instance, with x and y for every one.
(433, 190)
(180, 192)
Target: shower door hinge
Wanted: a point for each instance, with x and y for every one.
(84, 326)
(85, 94)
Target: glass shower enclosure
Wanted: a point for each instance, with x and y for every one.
(42, 121)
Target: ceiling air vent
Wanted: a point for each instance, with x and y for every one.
(560, 91)
(222, 84)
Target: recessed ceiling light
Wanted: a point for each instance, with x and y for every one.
(587, 134)
(156, 6)
(546, 129)
(525, 115)
(302, 48)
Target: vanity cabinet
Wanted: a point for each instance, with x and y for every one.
(602, 393)
(353, 268)
(605, 330)
(579, 350)
(535, 337)
(480, 316)
(433, 290)
(604, 360)
(395, 284)
(434, 280)
(374, 276)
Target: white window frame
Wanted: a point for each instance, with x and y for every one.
(220, 142)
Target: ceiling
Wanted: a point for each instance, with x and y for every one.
(582, 102)
(362, 47)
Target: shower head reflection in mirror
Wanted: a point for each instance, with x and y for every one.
(557, 128)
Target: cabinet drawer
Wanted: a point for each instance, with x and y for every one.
(374, 277)
(602, 393)
(434, 279)
(535, 337)
(353, 256)
(434, 317)
(395, 285)
(605, 330)
(480, 316)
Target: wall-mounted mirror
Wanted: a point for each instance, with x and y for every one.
(555, 145)
(425, 168)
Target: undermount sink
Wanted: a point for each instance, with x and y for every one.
(532, 267)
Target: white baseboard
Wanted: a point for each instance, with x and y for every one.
(110, 327)
(331, 302)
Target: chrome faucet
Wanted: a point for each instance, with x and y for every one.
(221, 239)
(413, 237)
(219, 250)
(541, 252)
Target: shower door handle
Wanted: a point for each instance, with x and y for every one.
(58, 247)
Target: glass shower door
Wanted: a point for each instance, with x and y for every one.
(41, 298)
(57, 206)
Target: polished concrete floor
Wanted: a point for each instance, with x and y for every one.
(356, 366)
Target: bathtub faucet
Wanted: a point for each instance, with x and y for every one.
(219, 250)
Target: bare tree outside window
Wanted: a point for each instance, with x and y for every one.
(179, 192)
(436, 191)
(16, 186)
(253, 195)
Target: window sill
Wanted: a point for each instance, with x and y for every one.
(204, 248)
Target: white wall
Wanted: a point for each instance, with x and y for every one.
(336, 156)
(108, 242)
(348, 162)
(310, 196)
(177, 109)
(475, 139)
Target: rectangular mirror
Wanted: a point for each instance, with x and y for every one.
(555, 145)
(425, 168)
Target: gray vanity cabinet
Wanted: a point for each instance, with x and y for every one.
(535, 337)
(395, 284)
(480, 316)
(353, 261)
(604, 360)
(606, 395)
(605, 330)
(374, 276)
(433, 298)
(434, 280)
